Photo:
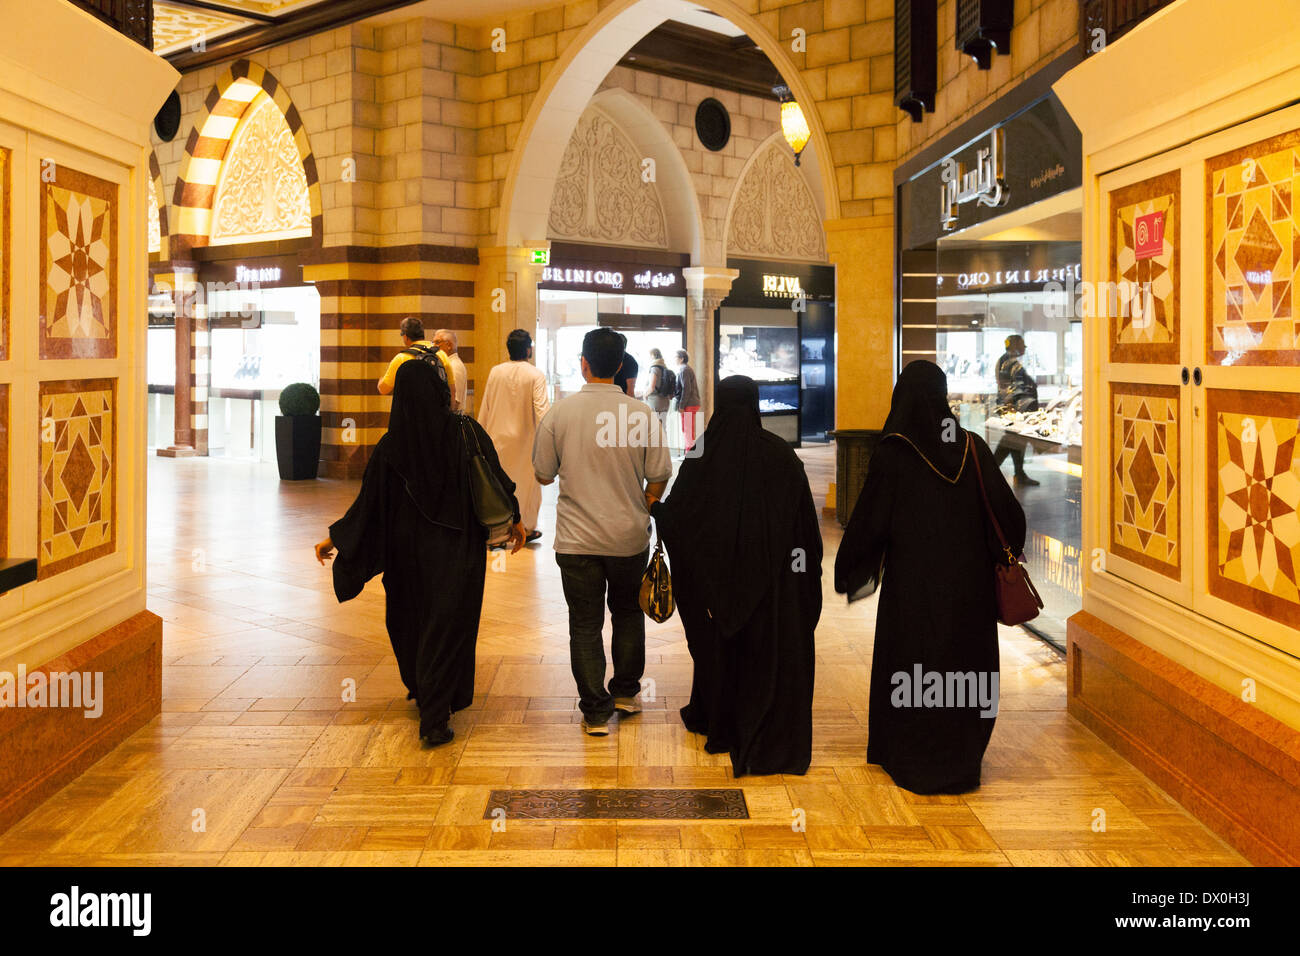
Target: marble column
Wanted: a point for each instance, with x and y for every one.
(706, 287)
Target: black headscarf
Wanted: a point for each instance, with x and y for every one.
(424, 444)
(731, 515)
(919, 413)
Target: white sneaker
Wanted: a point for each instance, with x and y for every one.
(627, 705)
(595, 730)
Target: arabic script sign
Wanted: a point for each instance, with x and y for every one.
(986, 184)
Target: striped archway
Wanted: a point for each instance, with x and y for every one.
(205, 151)
(160, 198)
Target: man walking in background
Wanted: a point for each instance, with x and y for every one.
(1017, 391)
(688, 398)
(445, 340)
(612, 464)
(626, 376)
(417, 346)
(514, 402)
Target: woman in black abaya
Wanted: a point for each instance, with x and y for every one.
(413, 520)
(921, 525)
(743, 538)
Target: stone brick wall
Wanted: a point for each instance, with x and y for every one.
(1043, 30)
(713, 175)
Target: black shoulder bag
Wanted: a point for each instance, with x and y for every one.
(493, 507)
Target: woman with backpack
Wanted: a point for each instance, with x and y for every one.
(660, 386)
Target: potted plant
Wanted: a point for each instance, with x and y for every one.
(297, 432)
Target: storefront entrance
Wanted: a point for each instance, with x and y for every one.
(264, 334)
(989, 279)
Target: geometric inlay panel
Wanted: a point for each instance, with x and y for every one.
(6, 246)
(1144, 257)
(1145, 484)
(78, 261)
(1252, 249)
(78, 470)
(622, 804)
(1253, 472)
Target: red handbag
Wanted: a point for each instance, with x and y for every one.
(1018, 599)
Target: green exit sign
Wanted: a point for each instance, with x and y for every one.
(541, 257)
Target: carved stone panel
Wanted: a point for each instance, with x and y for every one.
(600, 194)
(262, 193)
(773, 215)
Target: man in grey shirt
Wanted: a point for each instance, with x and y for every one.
(609, 453)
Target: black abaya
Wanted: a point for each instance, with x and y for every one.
(920, 522)
(745, 547)
(413, 522)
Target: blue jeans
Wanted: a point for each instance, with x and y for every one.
(586, 578)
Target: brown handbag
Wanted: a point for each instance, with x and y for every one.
(1018, 599)
(656, 597)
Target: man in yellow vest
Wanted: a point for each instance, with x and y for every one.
(412, 331)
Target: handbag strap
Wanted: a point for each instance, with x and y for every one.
(466, 427)
(984, 495)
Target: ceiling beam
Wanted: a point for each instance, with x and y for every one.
(222, 8)
(689, 53)
(291, 26)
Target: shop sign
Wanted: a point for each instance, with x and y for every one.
(605, 278)
(243, 274)
(978, 281)
(781, 287)
(652, 281)
(1149, 235)
(985, 184)
(628, 276)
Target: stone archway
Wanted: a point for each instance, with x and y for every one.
(574, 78)
(209, 140)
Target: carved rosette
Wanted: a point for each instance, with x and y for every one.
(773, 214)
(599, 194)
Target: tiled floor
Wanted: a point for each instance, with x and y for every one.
(257, 759)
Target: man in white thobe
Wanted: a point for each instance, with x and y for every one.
(514, 401)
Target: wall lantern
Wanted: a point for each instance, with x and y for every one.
(794, 127)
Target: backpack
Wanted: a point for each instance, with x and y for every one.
(429, 357)
(667, 386)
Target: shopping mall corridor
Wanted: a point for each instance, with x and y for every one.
(258, 760)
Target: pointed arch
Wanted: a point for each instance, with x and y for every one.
(157, 200)
(570, 83)
(243, 83)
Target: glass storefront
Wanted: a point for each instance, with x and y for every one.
(260, 340)
(1037, 431)
(763, 344)
(777, 326)
(564, 317)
